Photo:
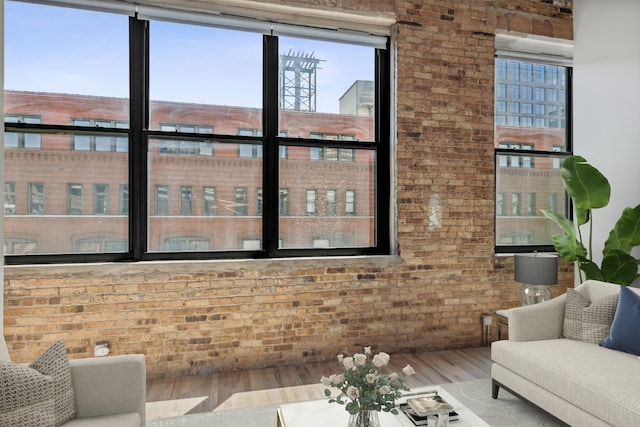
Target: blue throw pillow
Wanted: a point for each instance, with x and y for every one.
(625, 329)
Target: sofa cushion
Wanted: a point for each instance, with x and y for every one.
(585, 320)
(626, 324)
(38, 394)
(603, 382)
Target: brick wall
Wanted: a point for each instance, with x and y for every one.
(202, 317)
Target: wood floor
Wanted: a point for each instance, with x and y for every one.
(176, 396)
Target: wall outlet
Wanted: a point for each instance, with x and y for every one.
(101, 349)
(486, 320)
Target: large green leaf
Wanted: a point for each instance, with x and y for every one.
(586, 186)
(625, 235)
(590, 269)
(565, 244)
(619, 267)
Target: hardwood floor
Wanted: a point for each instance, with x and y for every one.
(175, 396)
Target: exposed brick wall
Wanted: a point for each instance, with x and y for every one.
(201, 317)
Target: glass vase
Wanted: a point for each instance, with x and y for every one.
(364, 418)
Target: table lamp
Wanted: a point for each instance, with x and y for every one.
(536, 272)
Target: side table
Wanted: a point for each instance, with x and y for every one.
(503, 322)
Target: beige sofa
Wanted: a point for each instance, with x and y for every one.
(109, 391)
(579, 383)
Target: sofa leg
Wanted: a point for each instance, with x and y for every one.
(495, 388)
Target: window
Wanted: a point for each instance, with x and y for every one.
(101, 199)
(162, 200)
(240, 205)
(331, 203)
(74, 199)
(9, 198)
(36, 198)
(283, 202)
(350, 202)
(259, 202)
(124, 199)
(312, 201)
(202, 161)
(100, 142)
(209, 201)
(500, 204)
(19, 139)
(531, 140)
(186, 200)
(188, 148)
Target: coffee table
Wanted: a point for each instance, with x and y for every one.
(321, 413)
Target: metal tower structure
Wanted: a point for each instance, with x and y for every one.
(298, 81)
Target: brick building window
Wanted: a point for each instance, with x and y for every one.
(312, 202)
(20, 139)
(162, 200)
(101, 199)
(9, 198)
(532, 137)
(201, 157)
(209, 201)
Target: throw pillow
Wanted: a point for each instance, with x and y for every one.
(27, 397)
(626, 324)
(40, 394)
(588, 321)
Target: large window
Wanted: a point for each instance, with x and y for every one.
(163, 137)
(532, 137)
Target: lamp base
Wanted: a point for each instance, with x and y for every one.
(533, 294)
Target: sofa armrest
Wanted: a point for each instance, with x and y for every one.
(540, 321)
(110, 385)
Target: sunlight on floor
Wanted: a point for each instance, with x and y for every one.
(172, 408)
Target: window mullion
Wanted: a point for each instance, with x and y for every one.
(270, 167)
(139, 101)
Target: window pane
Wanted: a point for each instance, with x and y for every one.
(211, 192)
(527, 183)
(56, 194)
(520, 222)
(220, 89)
(328, 209)
(70, 51)
(326, 79)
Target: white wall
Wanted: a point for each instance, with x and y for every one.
(2, 169)
(606, 94)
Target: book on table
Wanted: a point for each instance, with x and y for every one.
(429, 405)
(423, 420)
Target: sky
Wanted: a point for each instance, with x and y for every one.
(53, 49)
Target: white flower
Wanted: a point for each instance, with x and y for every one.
(360, 359)
(352, 392)
(408, 370)
(340, 358)
(381, 359)
(393, 376)
(326, 381)
(348, 363)
(370, 378)
(337, 379)
(385, 389)
(367, 351)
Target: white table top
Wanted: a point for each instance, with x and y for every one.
(321, 413)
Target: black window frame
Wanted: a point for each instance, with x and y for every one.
(532, 153)
(272, 142)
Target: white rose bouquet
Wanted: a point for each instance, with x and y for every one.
(361, 381)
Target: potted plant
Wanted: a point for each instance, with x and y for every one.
(589, 189)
